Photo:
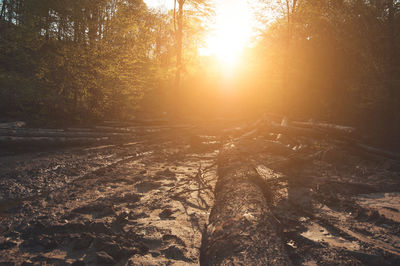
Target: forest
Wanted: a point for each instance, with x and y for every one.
(75, 61)
(199, 132)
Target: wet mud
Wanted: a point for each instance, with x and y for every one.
(148, 202)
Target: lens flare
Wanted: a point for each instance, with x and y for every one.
(231, 32)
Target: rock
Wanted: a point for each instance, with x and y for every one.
(39, 244)
(122, 218)
(97, 227)
(146, 186)
(166, 173)
(81, 242)
(7, 245)
(78, 263)
(128, 197)
(155, 254)
(112, 248)
(12, 234)
(9, 263)
(43, 260)
(335, 156)
(134, 216)
(74, 227)
(3, 228)
(173, 252)
(166, 214)
(100, 258)
(173, 239)
(99, 209)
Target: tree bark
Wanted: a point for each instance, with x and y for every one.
(179, 37)
(11, 125)
(47, 133)
(242, 229)
(3, 9)
(25, 142)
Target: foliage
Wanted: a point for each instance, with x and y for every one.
(78, 60)
(343, 63)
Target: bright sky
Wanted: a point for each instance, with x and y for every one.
(232, 31)
(163, 4)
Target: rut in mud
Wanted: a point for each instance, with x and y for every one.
(171, 198)
(145, 202)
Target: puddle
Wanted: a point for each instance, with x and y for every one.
(387, 204)
(317, 233)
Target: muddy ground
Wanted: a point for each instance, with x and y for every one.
(147, 202)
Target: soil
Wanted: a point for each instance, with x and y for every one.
(148, 202)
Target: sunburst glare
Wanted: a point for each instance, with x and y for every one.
(231, 32)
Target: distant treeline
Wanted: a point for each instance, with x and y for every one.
(334, 60)
(74, 60)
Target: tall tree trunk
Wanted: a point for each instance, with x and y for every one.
(10, 10)
(47, 26)
(393, 116)
(392, 49)
(179, 36)
(290, 10)
(3, 9)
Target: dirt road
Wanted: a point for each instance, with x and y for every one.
(115, 204)
(147, 202)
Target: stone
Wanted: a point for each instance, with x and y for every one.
(173, 252)
(103, 258)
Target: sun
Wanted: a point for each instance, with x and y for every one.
(232, 31)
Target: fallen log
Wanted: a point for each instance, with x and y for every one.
(16, 124)
(100, 129)
(80, 129)
(294, 131)
(57, 133)
(7, 141)
(242, 229)
(294, 162)
(139, 128)
(325, 126)
(321, 127)
(376, 151)
(276, 147)
(318, 133)
(112, 129)
(135, 122)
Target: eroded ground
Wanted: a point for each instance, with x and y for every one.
(147, 202)
(144, 202)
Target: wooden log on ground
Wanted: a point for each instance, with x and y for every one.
(294, 131)
(376, 151)
(144, 122)
(339, 129)
(242, 229)
(352, 143)
(25, 142)
(48, 133)
(112, 129)
(79, 129)
(16, 124)
(100, 129)
(320, 128)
